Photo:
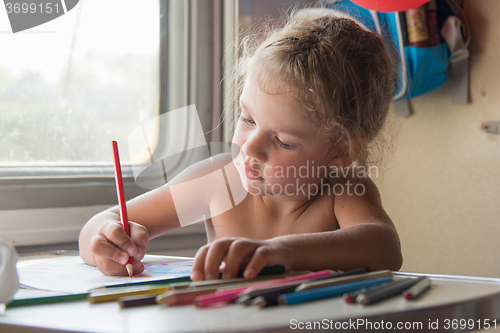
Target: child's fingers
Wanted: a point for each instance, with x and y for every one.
(109, 267)
(238, 252)
(140, 237)
(261, 258)
(198, 269)
(102, 248)
(214, 257)
(138, 267)
(115, 233)
(111, 260)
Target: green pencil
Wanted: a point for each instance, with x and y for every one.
(47, 300)
(154, 282)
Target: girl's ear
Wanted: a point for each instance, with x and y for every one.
(347, 152)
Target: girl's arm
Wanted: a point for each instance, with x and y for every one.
(366, 238)
(104, 243)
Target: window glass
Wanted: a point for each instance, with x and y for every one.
(70, 86)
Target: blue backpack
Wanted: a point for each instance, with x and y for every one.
(422, 69)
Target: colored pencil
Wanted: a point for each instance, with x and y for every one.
(244, 300)
(268, 273)
(248, 295)
(350, 298)
(183, 297)
(124, 289)
(264, 287)
(138, 300)
(271, 298)
(121, 201)
(185, 282)
(187, 296)
(384, 292)
(327, 292)
(229, 282)
(355, 271)
(417, 289)
(172, 282)
(254, 292)
(262, 301)
(265, 301)
(47, 300)
(246, 284)
(335, 281)
(109, 295)
(233, 294)
(181, 285)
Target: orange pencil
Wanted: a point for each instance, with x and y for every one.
(121, 201)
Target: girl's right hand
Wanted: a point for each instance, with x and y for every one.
(110, 247)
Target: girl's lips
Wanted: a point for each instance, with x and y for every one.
(250, 174)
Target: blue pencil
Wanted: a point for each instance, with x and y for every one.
(320, 293)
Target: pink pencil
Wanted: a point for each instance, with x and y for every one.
(121, 201)
(232, 295)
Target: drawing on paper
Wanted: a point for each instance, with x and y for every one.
(71, 274)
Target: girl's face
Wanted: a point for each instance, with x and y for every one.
(282, 150)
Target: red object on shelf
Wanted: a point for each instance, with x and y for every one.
(389, 5)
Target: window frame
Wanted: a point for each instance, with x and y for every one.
(26, 190)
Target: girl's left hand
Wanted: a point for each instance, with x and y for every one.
(235, 253)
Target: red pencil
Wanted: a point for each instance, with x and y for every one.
(121, 201)
(232, 295)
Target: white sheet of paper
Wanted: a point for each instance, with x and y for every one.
(70, 274)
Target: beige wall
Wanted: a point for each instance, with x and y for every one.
(442, 183)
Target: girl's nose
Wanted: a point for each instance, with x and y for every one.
(254, 147)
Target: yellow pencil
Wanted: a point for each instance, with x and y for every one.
(109, 295)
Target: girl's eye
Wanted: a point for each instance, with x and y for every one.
(248, 121)
(284, 145)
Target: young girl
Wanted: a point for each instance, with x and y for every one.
(315, 94)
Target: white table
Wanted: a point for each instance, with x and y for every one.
(451, 299)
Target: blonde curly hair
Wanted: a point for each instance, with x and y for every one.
(336, 68)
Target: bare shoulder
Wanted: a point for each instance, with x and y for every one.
(356, 188)
(357, 200)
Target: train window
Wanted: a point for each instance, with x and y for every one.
(72, 85)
